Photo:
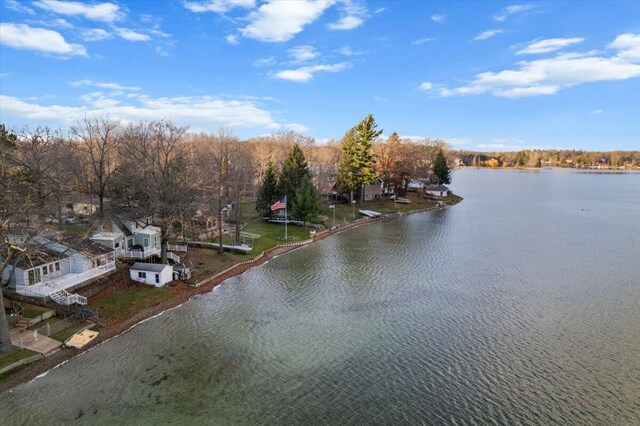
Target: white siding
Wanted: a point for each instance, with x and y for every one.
(163, 277)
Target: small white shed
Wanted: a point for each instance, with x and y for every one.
(437, 190)
(151, 273)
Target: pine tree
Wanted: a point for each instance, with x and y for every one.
(268, 191)
(306, 204)
(441, 171)
(356, 165)
(294, 169)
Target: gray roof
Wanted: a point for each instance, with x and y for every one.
(436, 188)
(150, 267)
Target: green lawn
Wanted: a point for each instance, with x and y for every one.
(14, 356)
(70, 331)
(32, 311)
(118, 306)
(345, 212)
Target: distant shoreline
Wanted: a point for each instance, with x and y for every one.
(42, 367)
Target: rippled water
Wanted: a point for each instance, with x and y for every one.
(519, 305)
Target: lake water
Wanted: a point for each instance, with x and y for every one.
(521, 305)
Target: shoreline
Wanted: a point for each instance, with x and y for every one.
(41, 368)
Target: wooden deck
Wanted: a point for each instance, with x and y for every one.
(37, 343)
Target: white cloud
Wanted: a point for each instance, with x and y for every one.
(304, 74)
(95, 34)
(597, 111)
(346, 23)
(161, 51)
(21, 36)
(519, 8)
(353, 15)
(264, 62)
(278, 21)
(628, 46)
(16, 6)
(296, 127)
(104, 85)
(232, 39)
(303, 53)
(422, 40)
(549, 45)
(439, 18)
(206, 112)
(487, 34)
(104, 12)
(548, 76)
(131, 35)
(217, 6)
(510, 10)
(426, 86)
(380, 10)
(347, 51)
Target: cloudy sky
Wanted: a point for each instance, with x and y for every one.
(483, 75)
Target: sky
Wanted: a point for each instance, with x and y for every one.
(482, 75)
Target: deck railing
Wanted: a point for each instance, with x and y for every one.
(138, 254)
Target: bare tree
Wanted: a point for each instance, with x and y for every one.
(97, 139)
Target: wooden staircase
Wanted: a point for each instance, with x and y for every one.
(63, 297)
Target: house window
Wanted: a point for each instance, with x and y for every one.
(142, 275)
(57, 266)
(157, 278)
(146, 242)
(45, 270)
(32, 277)
(51, 268)
(118, 245)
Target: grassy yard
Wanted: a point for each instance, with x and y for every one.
(124, 301)
(32, 311)
(14, 356)
(345, 212)
(70, 331)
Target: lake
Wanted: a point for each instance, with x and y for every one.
(520, 305)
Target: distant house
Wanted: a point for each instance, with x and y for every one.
(49, 267)
(415, 185)
(373, 191)
(82, 205)
(131, 239)
(436, 190)
(151, 273)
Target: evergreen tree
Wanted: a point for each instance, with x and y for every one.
(346, 177)
(306, 204)
(294, 169)
(441, 171)
(268, 191)
(356, 165)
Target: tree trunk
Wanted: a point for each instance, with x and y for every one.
(220, 224)
(5, 338)
(101, 205)
(163, 249)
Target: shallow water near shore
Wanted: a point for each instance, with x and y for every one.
(519, 305)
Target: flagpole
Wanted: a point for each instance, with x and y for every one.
(286, 219)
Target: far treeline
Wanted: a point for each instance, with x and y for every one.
(551, 158)
(159, 169)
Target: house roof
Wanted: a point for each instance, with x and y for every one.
(436, 188)
(149, 230)
(121, 226)
(35, 255)
(149, 267)
(106, 236)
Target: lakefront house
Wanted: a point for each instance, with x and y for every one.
(132, 239)
(52, 267)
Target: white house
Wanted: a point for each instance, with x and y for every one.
(82, 205)
(151, 273)
(436, 190)
(132, 239)
(51, 268)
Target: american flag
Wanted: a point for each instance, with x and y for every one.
(279, 205)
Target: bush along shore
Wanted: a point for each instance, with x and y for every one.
(137, 303)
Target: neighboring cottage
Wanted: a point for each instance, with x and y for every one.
(82, 205)
(151, 273)
(436, 190)
(131, 239)
(373, 191)
(50, 267)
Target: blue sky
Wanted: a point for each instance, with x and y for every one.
(482, 75)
